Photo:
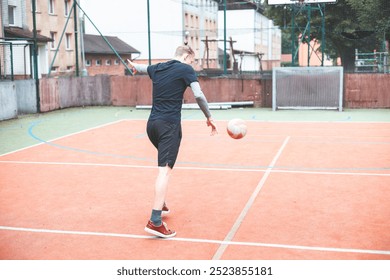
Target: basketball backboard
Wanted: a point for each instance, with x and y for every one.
(290, 2)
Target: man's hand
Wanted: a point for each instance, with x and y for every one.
(210, 122)
(132, 67)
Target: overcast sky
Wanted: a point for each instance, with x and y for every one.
(119, 16)
(128, 20)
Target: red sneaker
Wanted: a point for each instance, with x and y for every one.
(161, 231)
(165, 210)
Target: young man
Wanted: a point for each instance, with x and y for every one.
(170, 80)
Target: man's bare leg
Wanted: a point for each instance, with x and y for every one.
(155, 225)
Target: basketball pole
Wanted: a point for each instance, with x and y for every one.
(308, 33)
(295, 41)
(323, 38)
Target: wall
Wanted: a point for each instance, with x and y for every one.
(49, 95)
(26, 96)
(132, 91)
(59, 93)
(18, 97)
(8, 101)
(367, 90)
(231, 89)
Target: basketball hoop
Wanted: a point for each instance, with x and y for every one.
(298, 2)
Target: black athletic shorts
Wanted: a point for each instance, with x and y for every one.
(166, 137)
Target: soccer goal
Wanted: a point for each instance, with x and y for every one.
(307, 88)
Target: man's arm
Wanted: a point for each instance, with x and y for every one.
(136, 67)
(203, 105)
(200, 99)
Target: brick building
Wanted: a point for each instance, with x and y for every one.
(101, 59)
(54, 18)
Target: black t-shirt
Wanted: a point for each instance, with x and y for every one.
(170, 80)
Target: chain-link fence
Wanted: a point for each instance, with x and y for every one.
(15, 60)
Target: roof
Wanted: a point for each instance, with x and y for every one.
(17, 32)
(95, 44)
(240, 52)
(240, 5)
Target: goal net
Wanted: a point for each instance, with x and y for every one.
(307, 88)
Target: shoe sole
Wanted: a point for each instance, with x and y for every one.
(159, 234)
(165, 213)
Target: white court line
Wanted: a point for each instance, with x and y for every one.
(61, 137)
(184, 120)
(229, 237)
(274, 170)
(198, 240)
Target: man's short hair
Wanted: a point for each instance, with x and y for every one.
(184, 50)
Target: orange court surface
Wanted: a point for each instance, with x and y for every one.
(292, 189)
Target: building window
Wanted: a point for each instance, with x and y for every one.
(51, 6)
(11, 15)
(68, 40)
(53, 40)
(67, 7)
(88, 62)
(37, 6)
(108, 62)
(54, 69)
(98, 62)
(116, 62)
(186, 20)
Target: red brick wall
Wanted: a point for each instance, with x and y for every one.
(131, 91)
(367, 90)
(112, 70)
(137, 90)
(360, 91)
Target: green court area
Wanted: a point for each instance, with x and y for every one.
(301, 185)
(16, 133)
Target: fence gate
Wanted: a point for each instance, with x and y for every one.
(15, 60)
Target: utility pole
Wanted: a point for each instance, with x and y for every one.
(76, 35)
(35, 55)
(224, 39)
(149, 43)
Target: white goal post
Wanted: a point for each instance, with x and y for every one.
(289, 2)
(307, 88)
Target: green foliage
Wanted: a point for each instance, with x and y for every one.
(372, 14)
(350, 25)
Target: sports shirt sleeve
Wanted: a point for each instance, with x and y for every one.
(189, 75)
(141, 68)
(200, 99)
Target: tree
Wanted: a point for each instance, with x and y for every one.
(379, 10)
(350, 25)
